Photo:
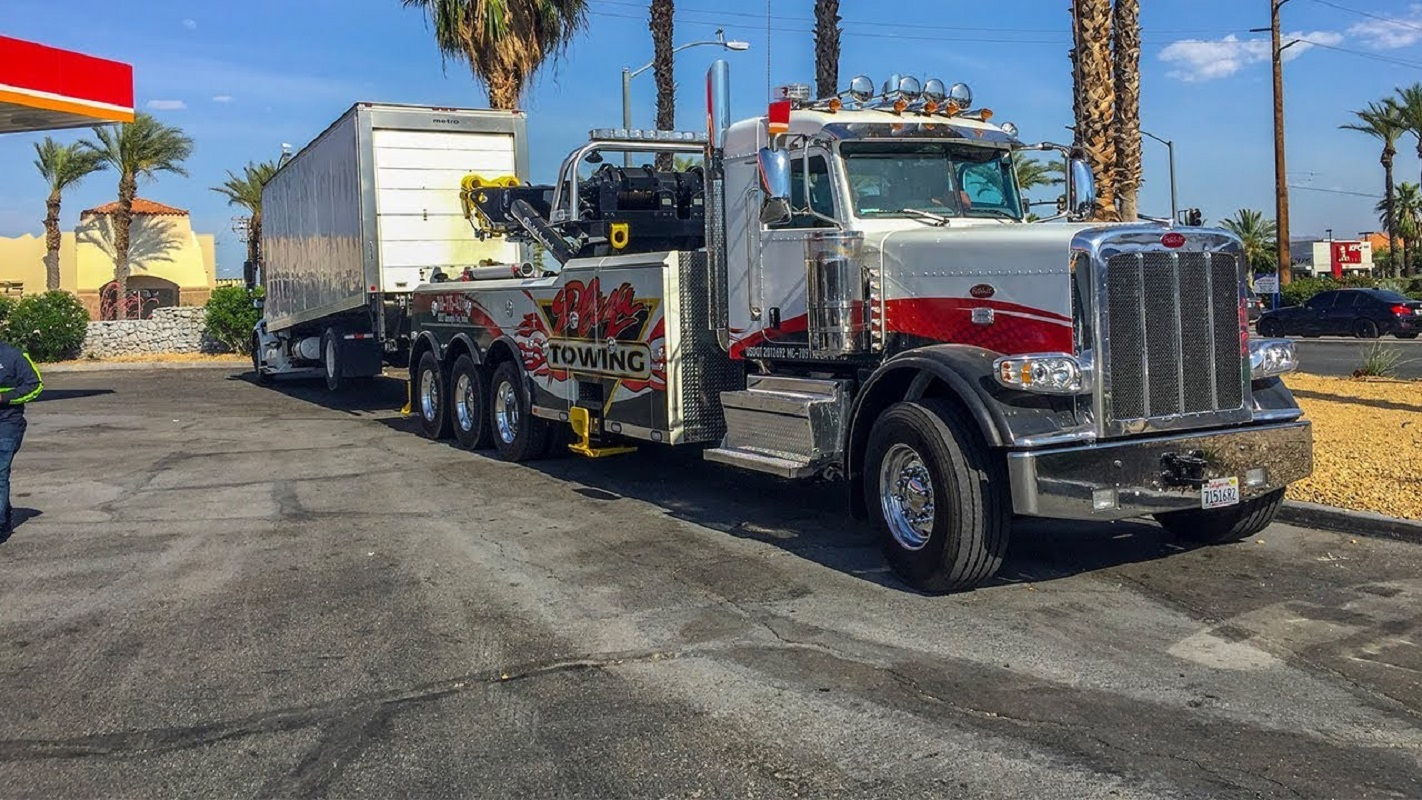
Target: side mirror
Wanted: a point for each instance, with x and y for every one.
(774, 169)
(1083, 188)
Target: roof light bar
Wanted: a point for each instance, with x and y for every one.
(645, 135)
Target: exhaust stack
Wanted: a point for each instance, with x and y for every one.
(718, 121)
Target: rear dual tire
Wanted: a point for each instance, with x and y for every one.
(517, 434)
(468, 405)
(429, 396)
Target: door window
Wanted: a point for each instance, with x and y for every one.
(821, 198)
(1321, 302)
(1345, 300)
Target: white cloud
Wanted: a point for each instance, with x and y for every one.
(1391, 33)
(190, 24)
(1197, 60)
(167, 105)
(222, 98)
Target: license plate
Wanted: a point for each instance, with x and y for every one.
(1219, 492)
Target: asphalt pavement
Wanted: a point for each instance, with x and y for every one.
(1335, 355)
(221, 589)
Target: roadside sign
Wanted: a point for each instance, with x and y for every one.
(1266, 284)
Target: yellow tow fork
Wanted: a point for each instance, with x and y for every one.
(581, 422)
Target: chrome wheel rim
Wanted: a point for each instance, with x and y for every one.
(506, 412)
(429, 396)
(906, 496)
(330, 358)
(464, 402)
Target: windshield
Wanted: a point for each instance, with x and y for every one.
(896, 179)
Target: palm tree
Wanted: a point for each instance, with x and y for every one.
(1383, 121)
(503, 42)
(1094, 93)
(144, 147)
(826, 48)
(1258, 235)
(62, 166)
(1126, 127)
(1032, 172)
(245, 190)
(1407, 208)
(664, 69)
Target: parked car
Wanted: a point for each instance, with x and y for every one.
(1364, 313)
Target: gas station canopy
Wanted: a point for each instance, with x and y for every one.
(43, 88)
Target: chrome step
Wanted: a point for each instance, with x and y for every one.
(785, 426)
(760, 462)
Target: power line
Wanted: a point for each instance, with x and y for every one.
(1380, 18)
(1335, 191)
(915, 25)
(1363, 54)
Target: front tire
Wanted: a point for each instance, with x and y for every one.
(469, 405)
(938, 496)
(517, 434)
(1270, 329)
(430, 398)
(1223, 525)
(331, 359)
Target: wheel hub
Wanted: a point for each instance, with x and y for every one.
(464, 402)
(429, 396)
(506, 412)
(906, 496)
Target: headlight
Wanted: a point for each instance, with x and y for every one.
(1268, 357)
(1046, 373)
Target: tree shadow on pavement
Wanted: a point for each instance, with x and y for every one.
(811, 518)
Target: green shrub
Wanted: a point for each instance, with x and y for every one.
(48, 326)
(1301, 289)
(7, 305)
(231, 315)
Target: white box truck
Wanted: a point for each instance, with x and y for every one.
(362, 215)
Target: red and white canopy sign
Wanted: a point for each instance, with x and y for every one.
(42, 88)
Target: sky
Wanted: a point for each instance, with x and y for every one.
(244, 78)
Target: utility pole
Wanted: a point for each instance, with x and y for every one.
(1281, 187)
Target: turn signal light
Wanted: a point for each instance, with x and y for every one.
(900, 106)
(1045, 373)
(835, 104)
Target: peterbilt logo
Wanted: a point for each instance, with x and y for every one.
(982, 291)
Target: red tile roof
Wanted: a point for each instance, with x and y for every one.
(141, 206)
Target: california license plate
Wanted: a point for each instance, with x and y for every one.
(1219, 492)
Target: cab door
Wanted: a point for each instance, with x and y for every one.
(777, 291)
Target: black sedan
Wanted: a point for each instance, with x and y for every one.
(1364, 313)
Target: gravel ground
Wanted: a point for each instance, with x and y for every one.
(1367, 444)
(226, 590)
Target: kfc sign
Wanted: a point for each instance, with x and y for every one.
(1344, 253)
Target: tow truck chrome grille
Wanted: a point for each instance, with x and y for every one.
(1173, 337)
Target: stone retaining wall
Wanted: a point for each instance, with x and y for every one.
(169, 330)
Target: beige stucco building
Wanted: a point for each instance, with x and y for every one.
(169, 263)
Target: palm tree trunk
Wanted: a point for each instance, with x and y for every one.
(1126, 55)
(122, 218)
(254, 238)
(504, 89)
(51, 242)
(1095, 99)
(1387, 157)
(826, 48)
(664, 69)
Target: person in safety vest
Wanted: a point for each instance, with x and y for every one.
(19, 384)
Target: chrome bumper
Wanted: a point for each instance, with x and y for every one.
(1139, 476)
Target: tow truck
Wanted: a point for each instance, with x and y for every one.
(850, 288)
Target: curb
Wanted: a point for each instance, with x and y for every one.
(54, 369)
(1342, 520)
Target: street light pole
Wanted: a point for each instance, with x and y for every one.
(1174, 200)
(629, 74)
